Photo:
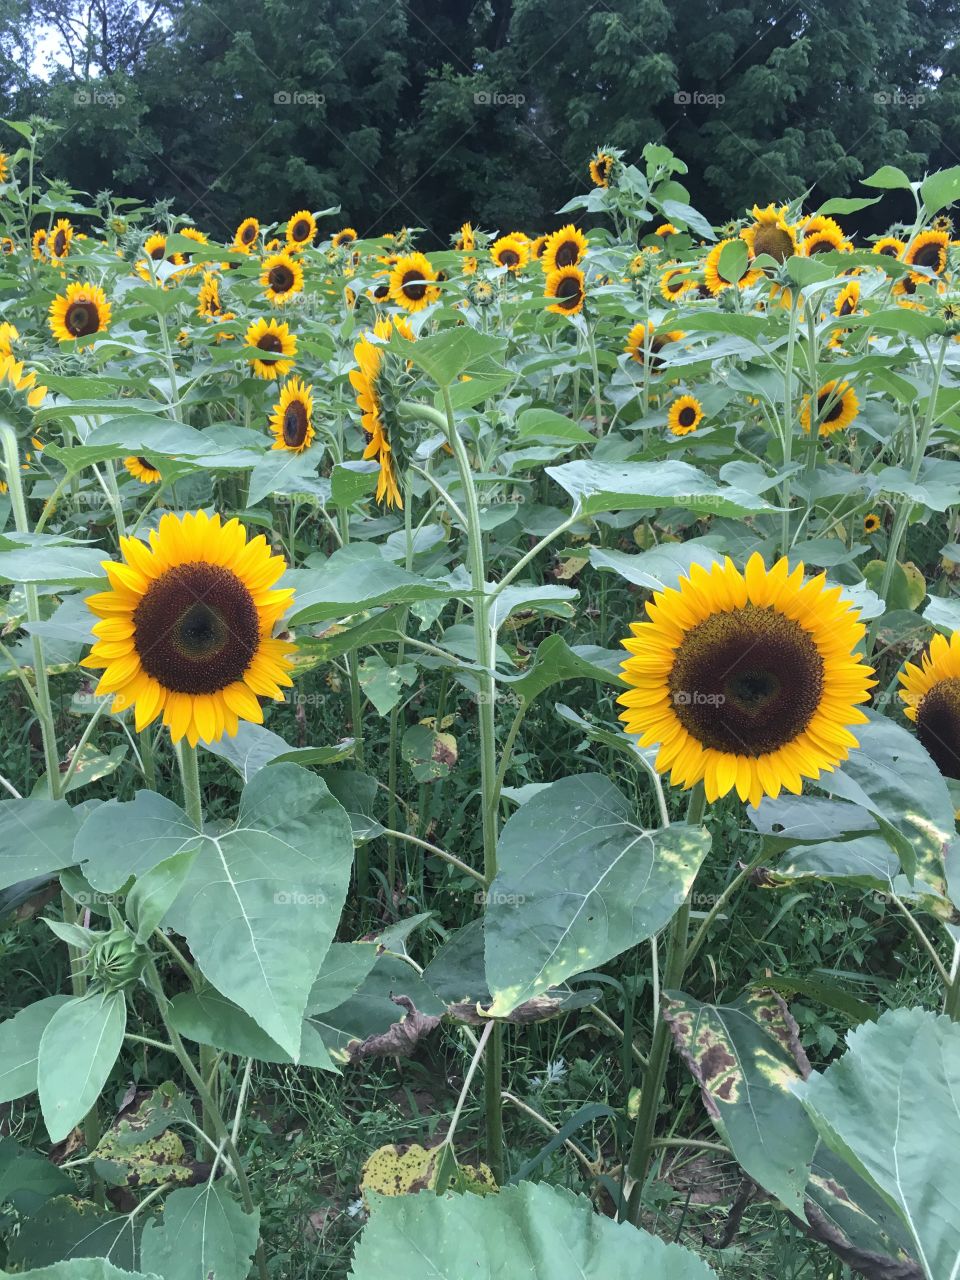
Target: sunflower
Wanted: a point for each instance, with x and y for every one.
(292, 419)
(839, 400)
(825, 237)
(37, 243)
(871, 522)
(848, 299)
(142, 469)
(746, 680)
(928, 249)
(12, 372)
(80, 312)
(344, 238)
(186, 630)
(512, 252)
(770, 233)
(282, 277)
(245, 236)
(644, 343)
(4, 166)
(889, 247)
(565, 248)
(537, 247)
(190, 233)
(666, 229)
(466, 239)
(601, 168)
(684, 415)
(301, 229)
(365, 382)
(931, 693)
(9, 334)
(566, 287)
(481, 293)
(412, 282)
(208, 299)
(58, 239)
(943, 222)
(6, 245)
(275, 340)
(674, 283)
(714, 281)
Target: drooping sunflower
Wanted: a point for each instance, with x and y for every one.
(928, 249)
(187, 630)
(282, 277)
(871, 522)
(9, 333)
(713, 278)
(684, 415)
(601, 168)
(746, 680)
(38, 241)
(274, 339)
(465, 239)
(645, 344)
(564, 248)
(840, 402)
(245, 236)
(292, 418)
(142, 469)
(12, 372)
(81, 311)
(413, 282)
(344, 237)
(58, 239)
(889, 246)
(770, 233)
(301, 229)
(4, 166)
(931, 692)
(512, 252)
(208, 299)
(365, 381)
(566, 287)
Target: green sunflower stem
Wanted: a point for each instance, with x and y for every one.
(190, 774)
(48, 732)
(644, 1134)
(595, 369)
(951, 1004)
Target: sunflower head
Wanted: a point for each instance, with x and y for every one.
(245, 236)
(836, 407)
(770, 233)
(344, 238)
(38, 241)
(889, 247)
(602, 167)
(4, 167)
(644, 345)
(465, 240)
(931, 694)
(822, 235)
(79, 313)
(301, 229)
(276, 345)
(929, 250)
(675, 282)
(413, 282)
(564, 248)
(565, 286)
(281, 277)
(186, 631)
(480, 293)
(746, 681)
(59, 238)
(511, 251)
(684, 415)
(848, 299)
(871, 522)
(372, 382)
(142, 469)
(292, 418)
(713, 277)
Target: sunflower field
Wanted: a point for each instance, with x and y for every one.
(481, 739)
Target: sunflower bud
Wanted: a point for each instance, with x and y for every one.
(115, 959)
(480, 293)
(948, 311)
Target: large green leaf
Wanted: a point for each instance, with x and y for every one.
(125, 838)
(578, 883)
(890, 1107)
(204, 1233)
(661, 566)
(262, 901)
(744, 1058)
(54, 566)
(355, 578)
(84, 1269)
(209, 1018)
(20, 1044)
(445, 356)
(629, 486)
(78, 1048)
(555, 661)
(65, 1233)
(536, 1232)
(28, 1179)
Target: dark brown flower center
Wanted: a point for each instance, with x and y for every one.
(294, 424)
(280, 278)
(196, 629)
(509, 258)
(687, 416)
(414, 285)
(270, 342)
(60, 243)
(819, 244)
(81, 319)
(835, 410)
(569, 292)
(300, 229)
(248, 234)
(156, 253)
(938, 725)
(889, 251)
(567, 254)
(747, 682)
(145, 462)
(847, 306)
(928, 255)
(774, 241)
